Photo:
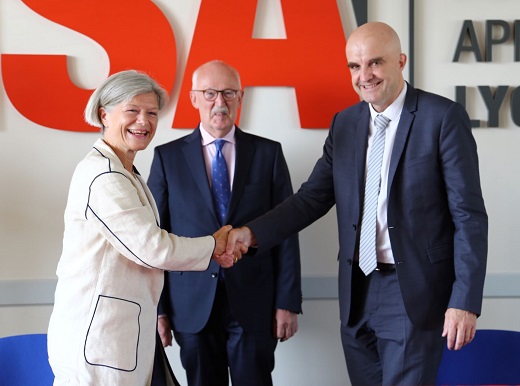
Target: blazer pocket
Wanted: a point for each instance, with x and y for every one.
(413, 162)
(440, 253)
(113, 334)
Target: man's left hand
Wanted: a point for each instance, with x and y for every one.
(459, 328)
(285, 324)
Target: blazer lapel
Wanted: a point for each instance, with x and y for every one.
(403, 130)
(149, 197)
(245, 153)
(192, 151)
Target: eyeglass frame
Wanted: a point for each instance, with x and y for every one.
(221, 92)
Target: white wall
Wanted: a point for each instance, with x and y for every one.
(37, 164)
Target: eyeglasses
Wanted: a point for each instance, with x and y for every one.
(211, 95)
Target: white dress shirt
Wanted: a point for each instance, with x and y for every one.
(228, 150)
(393, 112)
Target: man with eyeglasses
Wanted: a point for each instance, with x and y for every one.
(225, 321)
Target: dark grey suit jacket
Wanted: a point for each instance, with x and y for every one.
(436, 215)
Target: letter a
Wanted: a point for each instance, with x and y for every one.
(311, 59)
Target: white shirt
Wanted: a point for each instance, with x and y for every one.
(228, 150)
(393, 112)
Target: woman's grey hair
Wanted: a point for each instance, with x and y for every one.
(118, 88)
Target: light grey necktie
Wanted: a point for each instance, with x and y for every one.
(367, 242)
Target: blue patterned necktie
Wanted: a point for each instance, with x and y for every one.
(367, 242)
(220, 182)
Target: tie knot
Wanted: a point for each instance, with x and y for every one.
(219, 143)
(381, 121)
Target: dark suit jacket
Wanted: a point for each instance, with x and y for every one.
(255, 285)
(436, 215)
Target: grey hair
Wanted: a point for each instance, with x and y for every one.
(119, 88)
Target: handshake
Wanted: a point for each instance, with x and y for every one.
(231, 244)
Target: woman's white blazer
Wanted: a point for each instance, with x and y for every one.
(110, 275)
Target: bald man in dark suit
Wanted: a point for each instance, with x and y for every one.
(431, 224)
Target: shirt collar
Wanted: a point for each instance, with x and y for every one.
(207, 138)
(393, 111)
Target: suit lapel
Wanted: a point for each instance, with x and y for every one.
(192, 151)
(403, 131)
(245, 153)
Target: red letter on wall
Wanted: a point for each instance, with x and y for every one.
(311, 59)
(135, 34)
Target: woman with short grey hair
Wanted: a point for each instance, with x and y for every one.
(102, 329)
(121, 87)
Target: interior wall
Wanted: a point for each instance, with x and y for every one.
(38, 163)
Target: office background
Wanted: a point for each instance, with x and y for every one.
(37, 161)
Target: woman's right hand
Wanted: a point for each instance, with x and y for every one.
(226, 260)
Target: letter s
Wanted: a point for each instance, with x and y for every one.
(135, 35)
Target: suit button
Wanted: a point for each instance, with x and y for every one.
(349, 261)
(214, 274)
(354, 226)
